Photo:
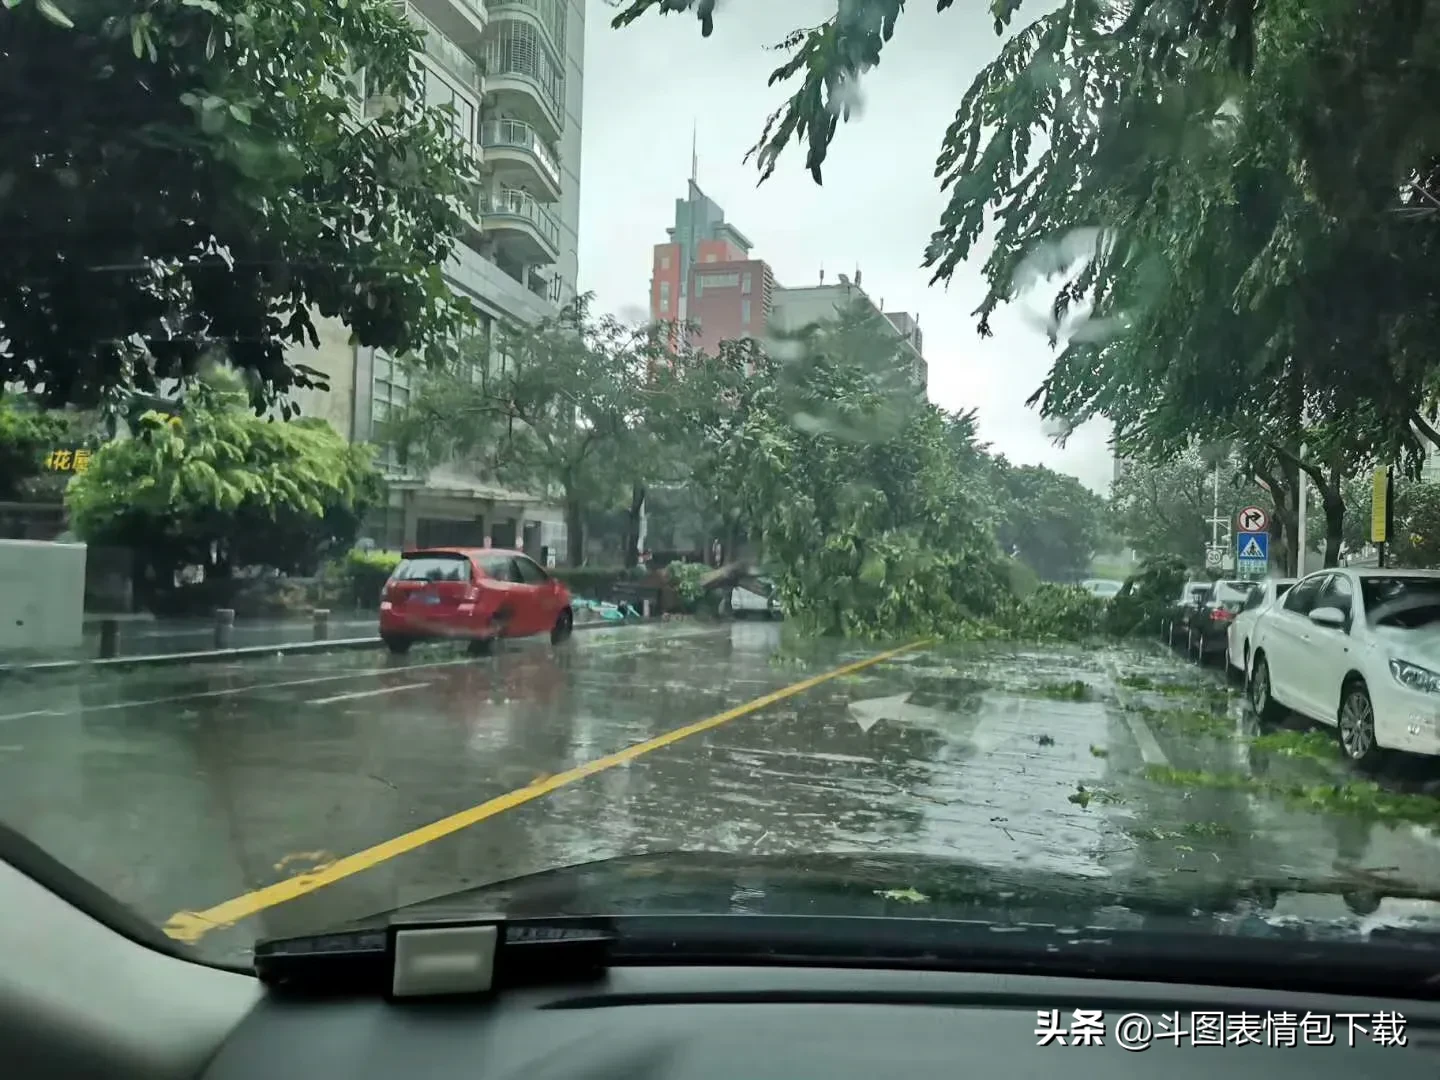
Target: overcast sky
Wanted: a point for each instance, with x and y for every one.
(644, 88)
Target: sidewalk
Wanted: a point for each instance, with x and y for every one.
(145, 635)
(151, 638)
(145, 639)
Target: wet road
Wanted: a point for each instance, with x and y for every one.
(230, 802)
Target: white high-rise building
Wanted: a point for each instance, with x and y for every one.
(513, 70)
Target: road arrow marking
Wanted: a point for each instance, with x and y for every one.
(897, 708)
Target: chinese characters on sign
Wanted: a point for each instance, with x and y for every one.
(68, 460)
(1138, 1031)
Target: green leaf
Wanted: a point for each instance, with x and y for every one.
(48, 9)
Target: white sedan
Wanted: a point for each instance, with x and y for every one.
(1359, 650)
(1242, 626)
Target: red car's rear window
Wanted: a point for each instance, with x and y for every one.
(433, 568)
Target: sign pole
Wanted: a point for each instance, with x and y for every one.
(1382, 511)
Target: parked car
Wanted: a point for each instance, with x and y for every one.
(1193, 595)
(1242, 626)
(1104, 588)
(1209, 620)
(745, 601)
(1358, 649)
(474, 594)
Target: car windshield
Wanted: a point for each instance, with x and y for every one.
(1407, 602)
(444, 441)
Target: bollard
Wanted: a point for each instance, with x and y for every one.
(109, 638)
(224, 627)
(322, 624)
(645, 608)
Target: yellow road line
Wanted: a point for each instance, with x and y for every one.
(190, 926)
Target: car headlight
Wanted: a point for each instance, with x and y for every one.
(1415, 677)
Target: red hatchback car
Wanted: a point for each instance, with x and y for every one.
(476, 594)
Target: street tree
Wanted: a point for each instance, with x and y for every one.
(1230, 203)
(29, 434)
(822, 441)
(212, 484)
(183, 179)
(1415, 540)
(1050, 521)
(556, 407)
(1164, 507)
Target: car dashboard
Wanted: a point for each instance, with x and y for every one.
(723, 1022)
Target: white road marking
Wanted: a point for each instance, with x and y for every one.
(200, 695)
(1150, 751)
(365, 693)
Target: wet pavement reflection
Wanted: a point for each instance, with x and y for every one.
(179, 788)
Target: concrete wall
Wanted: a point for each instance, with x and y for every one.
(42, 595)
(336, 358)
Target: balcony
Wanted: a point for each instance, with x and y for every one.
(523, 79)
(462, 21)
(443, 51)
(520, 158)
(519, 225)
(549, 15)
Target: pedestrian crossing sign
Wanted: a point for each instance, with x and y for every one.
(1252, 550)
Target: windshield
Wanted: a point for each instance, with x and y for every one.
(443, 442)
(1401, 601)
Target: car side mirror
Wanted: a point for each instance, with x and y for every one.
(1332, 617)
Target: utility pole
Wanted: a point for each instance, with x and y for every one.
(1217, 521)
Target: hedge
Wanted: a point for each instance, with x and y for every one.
(364, 574)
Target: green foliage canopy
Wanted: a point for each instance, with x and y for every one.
(189, 177)
(217, 486)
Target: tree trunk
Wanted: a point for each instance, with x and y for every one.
(1333, 501)
(632, 525)
(1285, 524)
(574, 530)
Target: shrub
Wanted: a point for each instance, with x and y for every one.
(365, 574)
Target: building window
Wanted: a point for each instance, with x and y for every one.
(440, 91)
(389, 396)
(665, 261)
(712, 257)
(745, 284)
(745, 312)
(664, 296)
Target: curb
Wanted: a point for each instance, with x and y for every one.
(243, 652)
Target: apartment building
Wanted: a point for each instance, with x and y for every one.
(705, 276)
(513, 70)
(804, 306)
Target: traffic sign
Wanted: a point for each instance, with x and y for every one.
(1252, 551)
(1214, 558)
(1252, 519)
